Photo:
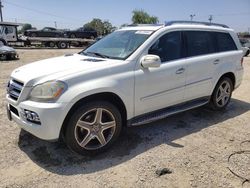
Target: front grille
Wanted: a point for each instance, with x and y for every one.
(14, 89)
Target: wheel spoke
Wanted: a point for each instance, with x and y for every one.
(224, 100)
(226, 88)
(98, 116)
(100, 137)
(221, 89)
(85, 125)
(108, 125)
(227, 95)
(86, 140)
(219, 98)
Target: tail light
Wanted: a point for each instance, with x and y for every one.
(241, 62)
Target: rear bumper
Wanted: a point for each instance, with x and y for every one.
(239, 77)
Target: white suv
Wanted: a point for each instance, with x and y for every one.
(133, 76)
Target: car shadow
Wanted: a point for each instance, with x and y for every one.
(57, 158)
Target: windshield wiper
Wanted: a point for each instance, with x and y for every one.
(98, 54)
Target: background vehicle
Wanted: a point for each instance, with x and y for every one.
(135, 75)
(45, 32)
(7, 53)
(82, 33)
(245, 42)
(8, 32)
(246, 45)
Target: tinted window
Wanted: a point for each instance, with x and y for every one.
(168, 47)
(225, 42)
(199, 43)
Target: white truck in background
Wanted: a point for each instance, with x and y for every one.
(9, 36)
(8, 32)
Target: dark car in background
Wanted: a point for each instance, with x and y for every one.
(45, 32)
(82, 32)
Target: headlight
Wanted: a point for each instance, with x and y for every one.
(48, 91)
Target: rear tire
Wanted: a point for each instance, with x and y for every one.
(222, 94)
(62, 45)
(93, 127)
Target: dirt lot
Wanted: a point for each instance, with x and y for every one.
(198, 148)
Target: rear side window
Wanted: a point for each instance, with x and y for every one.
(199, 43)
(168, 47)
(225, 42)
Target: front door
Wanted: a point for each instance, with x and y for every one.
(157, 88)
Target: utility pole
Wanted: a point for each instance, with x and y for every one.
(210, 18)
(192, 16)
(55, 24)
(1, 14)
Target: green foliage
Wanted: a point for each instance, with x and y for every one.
(142, 17)
(25, 27)
(124, 25)
(102, 27)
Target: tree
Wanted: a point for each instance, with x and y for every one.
(102, 27)
(124, 25)
(142, 17)
(108, 27)
(26, 27)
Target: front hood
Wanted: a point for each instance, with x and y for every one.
(55, 68)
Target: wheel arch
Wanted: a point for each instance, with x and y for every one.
(105, 96)
(3, 41)
(230, 75)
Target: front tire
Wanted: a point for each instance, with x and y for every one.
(93, 128)
(222, 94)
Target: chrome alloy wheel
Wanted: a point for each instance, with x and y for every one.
(223, 94)
(95, 128)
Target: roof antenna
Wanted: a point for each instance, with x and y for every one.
(192, 16)
(210, 18)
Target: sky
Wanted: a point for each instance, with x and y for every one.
(75, 13)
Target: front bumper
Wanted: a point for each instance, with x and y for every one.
(51, 117)
(8, 56)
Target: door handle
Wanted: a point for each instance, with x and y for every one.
(180, 71)
(216, 61)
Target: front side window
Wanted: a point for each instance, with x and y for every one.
(199, 43)
(119, 44)
(225, 42)
(168, 47)
(9, 29)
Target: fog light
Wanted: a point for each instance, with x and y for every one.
(31, 116)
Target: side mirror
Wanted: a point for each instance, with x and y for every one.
(150, 61)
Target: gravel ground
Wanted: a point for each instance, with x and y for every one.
(198, 148)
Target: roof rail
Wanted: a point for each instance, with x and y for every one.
(134, 25)
(195, 23)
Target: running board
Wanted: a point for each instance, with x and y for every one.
(163, 113)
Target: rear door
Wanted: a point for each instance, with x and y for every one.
(201, 63)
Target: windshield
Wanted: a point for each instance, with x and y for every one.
(118, 45)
